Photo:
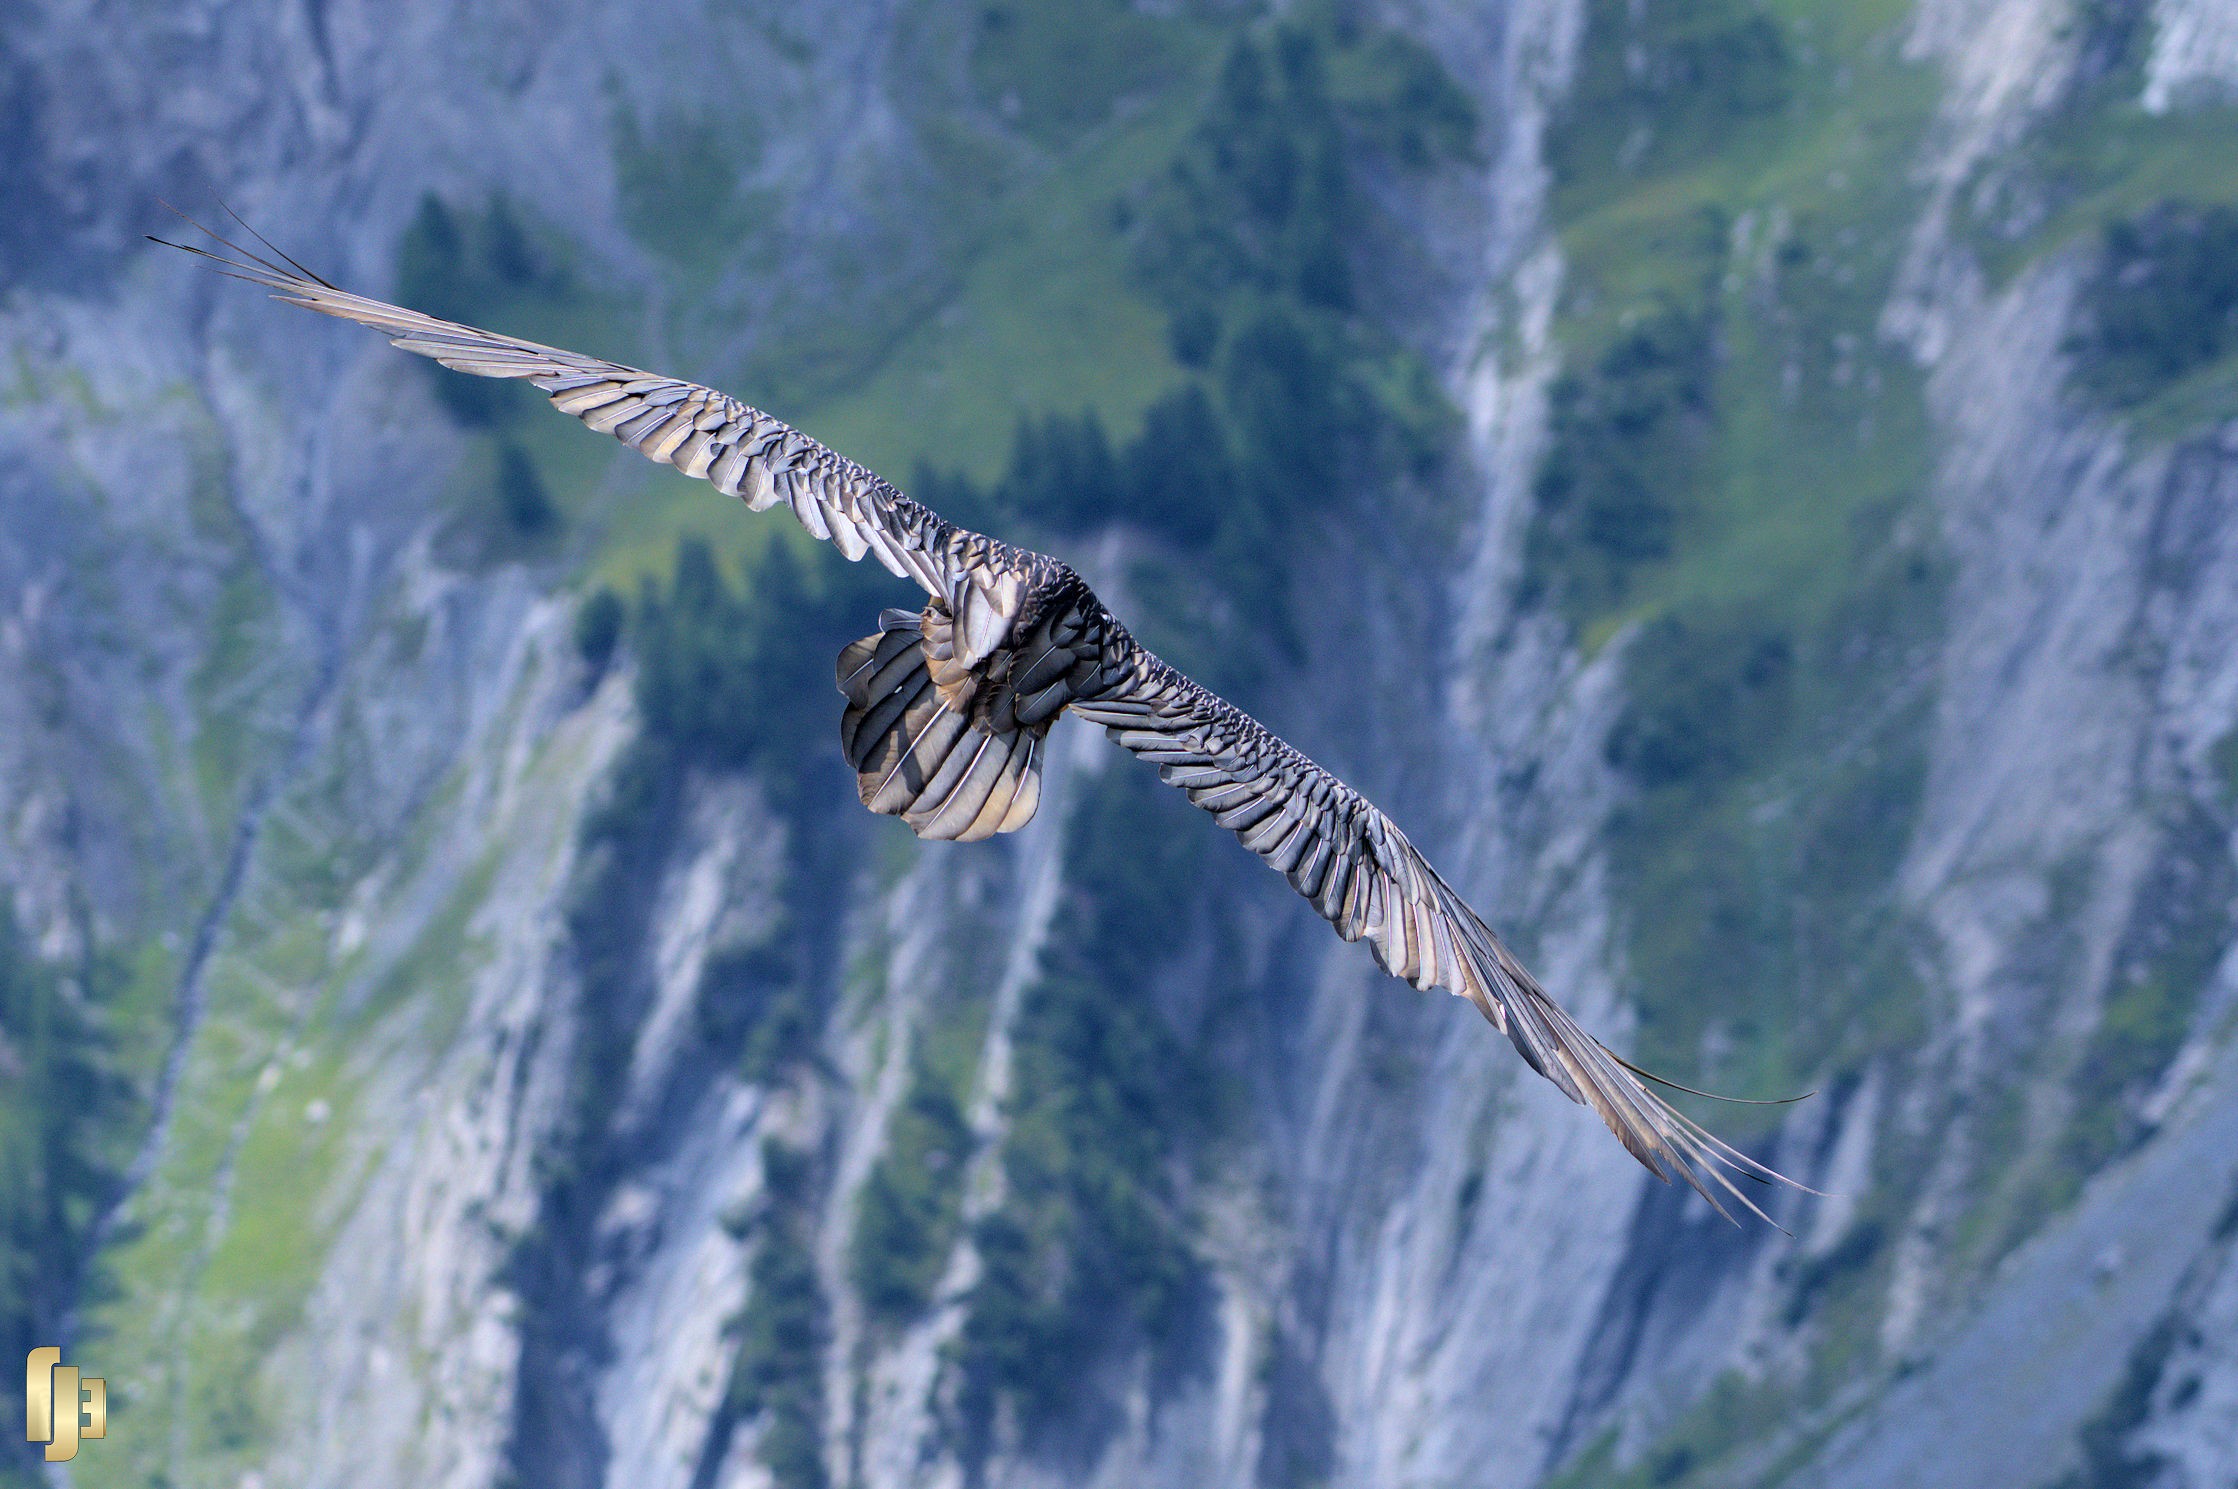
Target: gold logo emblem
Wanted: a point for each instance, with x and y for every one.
(58, 1407)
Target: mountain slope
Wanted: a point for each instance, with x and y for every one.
(506, 1063)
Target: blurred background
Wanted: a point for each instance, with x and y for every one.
(1751, 485)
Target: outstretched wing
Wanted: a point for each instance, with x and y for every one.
(709, 436)
(1368, 881)
(1335, 848)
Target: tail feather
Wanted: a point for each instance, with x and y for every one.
(917, 756)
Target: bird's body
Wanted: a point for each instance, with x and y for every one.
(947, 708)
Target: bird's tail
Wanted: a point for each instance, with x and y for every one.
(920, 756)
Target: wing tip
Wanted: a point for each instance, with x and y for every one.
(1667, 1142)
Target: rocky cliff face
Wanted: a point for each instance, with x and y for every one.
(1822, 666)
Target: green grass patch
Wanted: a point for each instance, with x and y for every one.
(202, 1304)
(1733, 449)
(280, 1204)
(1056, 69)
(1049, 302)
(1729, 415)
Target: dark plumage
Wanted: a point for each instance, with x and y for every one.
(947, 709)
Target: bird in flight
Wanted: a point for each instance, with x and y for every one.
(948, 707)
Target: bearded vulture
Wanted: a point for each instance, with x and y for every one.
(948, 707)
